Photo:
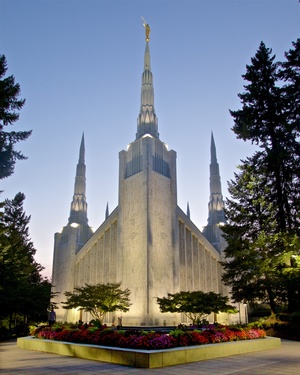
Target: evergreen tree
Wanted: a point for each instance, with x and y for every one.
(20, 278)
(10, 104)
(23, 291)
(264, 121)
(263, 212)
(289, 73)
(257, 264)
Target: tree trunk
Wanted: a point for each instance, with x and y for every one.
(10, 320)
(271, 300)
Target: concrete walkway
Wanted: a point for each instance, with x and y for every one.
(283, 361)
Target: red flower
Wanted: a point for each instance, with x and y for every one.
(152, 340)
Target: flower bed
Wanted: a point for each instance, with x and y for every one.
(147, 340)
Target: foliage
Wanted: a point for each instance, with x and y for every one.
(96, 322)
(280, 325)
(148, 340)
(295, 317)
(10, 104)
(263, 231)
(195, 305)
(98, 299)
(259, 311)
(23, 292)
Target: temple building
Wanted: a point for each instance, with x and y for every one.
(147, 242)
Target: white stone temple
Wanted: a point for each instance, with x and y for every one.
(148, 243)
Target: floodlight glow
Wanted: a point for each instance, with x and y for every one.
(147, 136)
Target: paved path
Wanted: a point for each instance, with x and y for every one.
(283, 361)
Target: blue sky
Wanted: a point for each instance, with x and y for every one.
(79, 65)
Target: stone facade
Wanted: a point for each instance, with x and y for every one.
(148, 243)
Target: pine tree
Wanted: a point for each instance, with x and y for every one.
(10, 104)
(257, 255)
(263, 120)
(20, 274)
(22, 289)
(289, 73)
(263, 212)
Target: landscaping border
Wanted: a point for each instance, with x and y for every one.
(148, 358)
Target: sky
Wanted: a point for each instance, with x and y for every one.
(79, 65)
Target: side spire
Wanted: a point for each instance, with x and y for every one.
(215, 179)
(216, 203)
(78, 212)
(147, 122)
(213, 152)
(216, 215)
(188, 214)
(107, 211)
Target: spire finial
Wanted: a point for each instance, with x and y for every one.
(106, 212)
(147, 29)
(82, 149)
(213, 153)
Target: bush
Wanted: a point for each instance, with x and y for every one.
(96, 323)
(21, 330)
(295, 317)
(5, 333)
(283, 317)
(260, 311)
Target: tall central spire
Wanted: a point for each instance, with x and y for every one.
(78, 212)
(147, 120)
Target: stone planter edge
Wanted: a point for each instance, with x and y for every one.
(148, 358)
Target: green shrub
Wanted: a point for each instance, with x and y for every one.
(5, 333)
(283, 317)
(257, 324)
(176, 332)
(21, 330)
(93, 329)
(96, 323)
(260, 311)
(121, 331)
(295, 317)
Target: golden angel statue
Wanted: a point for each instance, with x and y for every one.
(147, 29)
